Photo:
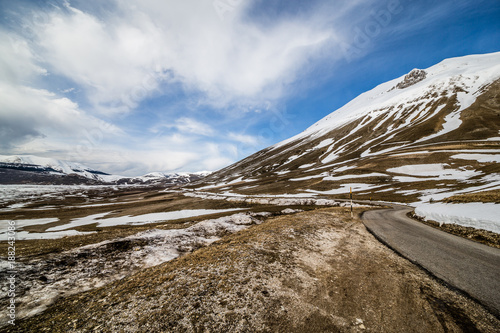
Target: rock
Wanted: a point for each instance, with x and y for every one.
(414, 77)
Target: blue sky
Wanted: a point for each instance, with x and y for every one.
(130, 87)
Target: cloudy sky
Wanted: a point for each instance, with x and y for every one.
(135, 86)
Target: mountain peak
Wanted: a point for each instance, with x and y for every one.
(436, 133)
(415, 76)
(35, 169)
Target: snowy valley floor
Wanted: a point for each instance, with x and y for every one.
(314, 271)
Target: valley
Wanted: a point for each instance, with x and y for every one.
(279, 264)
(278, 241)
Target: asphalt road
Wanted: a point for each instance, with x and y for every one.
(466, 265)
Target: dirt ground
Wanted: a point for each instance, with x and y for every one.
(316, 271)
(129, 203)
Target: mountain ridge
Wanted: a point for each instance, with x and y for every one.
(447, 119)
(30, 169)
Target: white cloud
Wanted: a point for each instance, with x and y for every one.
(243, 138)
(128, 55)
(162, 154)
(29, 113)
(114, 60)
(17, 61)
(188, 125)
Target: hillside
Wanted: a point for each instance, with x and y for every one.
(260, 246)
(307, 272)
(430, 134)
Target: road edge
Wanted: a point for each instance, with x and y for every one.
(451, 287)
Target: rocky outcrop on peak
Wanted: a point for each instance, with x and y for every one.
(414, 77)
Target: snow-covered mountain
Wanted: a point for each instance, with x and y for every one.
(174, 178)
(35, 169)
(50, 166)
(429, 133)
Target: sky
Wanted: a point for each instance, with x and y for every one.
(130, 87)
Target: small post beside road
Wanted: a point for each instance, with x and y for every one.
(351, 199)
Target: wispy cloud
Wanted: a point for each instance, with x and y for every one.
(246, 139)
(29, 113)
(137, 51)
(139, 86)
(188, 125)
(117, 60)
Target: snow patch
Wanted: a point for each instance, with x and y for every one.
(324, 144)
(25, 223)
(345, 188)
(434, 170)
(137, 220)
(331, 157)
(406, 179)
(482, 158)
(338, 178)
(305, 166)
(306, 178)
(385, 190)
(477, 215)
(291, 211)
(452, 122)
(24, 235)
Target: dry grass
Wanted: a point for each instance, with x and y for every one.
(136, 203)
(317, 271)
(479, 122)
(487, 196)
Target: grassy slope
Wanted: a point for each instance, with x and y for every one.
(317, 271)
(486, 196)
(262, 172)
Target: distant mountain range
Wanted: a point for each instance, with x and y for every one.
(431, 133)
(29, 169)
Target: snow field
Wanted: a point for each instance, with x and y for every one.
(470, 73)
(477, 215)
(23, 193)
(439, 171)
(100, 264)
(66, 229)
(137, 220)
(301, 199)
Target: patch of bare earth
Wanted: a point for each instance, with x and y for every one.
(317, 271)
(485, 196)
(129, 205)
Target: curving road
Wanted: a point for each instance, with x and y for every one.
(469, 266)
